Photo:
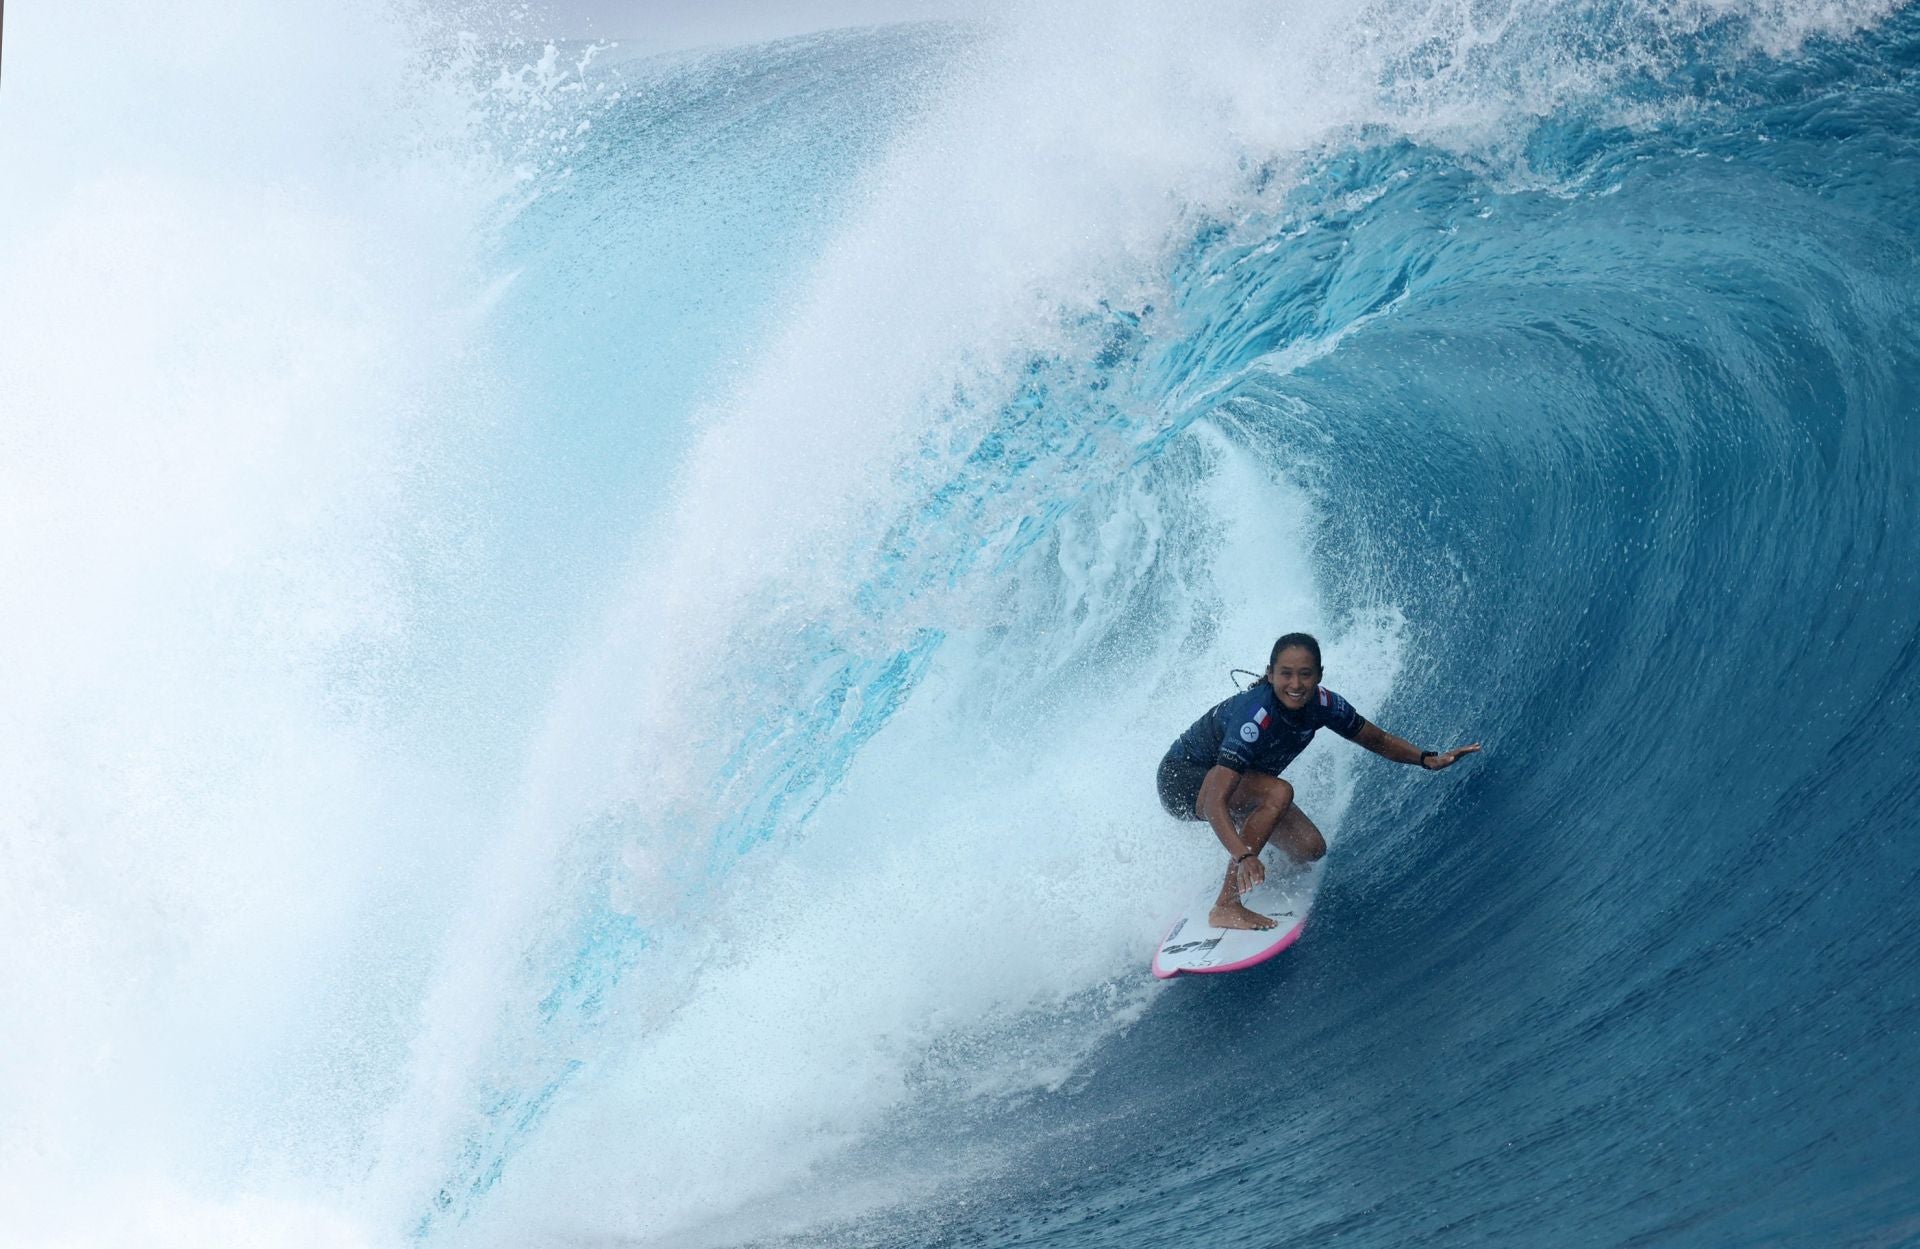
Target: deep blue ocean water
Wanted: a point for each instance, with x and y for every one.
(592, 632)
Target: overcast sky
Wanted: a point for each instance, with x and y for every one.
(660, 25)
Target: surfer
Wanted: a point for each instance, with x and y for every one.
(1225, 770)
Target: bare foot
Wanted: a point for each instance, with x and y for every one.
(1233, 915)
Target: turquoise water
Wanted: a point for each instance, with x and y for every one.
(589, 632)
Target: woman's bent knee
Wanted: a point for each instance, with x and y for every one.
(1279, 796)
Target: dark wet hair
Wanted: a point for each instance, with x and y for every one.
(1296, 639)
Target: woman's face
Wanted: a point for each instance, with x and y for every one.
(1295, 677)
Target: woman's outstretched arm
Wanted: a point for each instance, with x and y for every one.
(1400, 750)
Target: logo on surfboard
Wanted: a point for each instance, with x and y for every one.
(1208, 944)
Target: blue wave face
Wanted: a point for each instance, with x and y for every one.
(1624, 435)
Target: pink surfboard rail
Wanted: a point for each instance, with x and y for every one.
(1286, 939)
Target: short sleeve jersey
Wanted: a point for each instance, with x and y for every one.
(1253, 732)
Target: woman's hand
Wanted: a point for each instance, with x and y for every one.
(1248, 872)
(1447, 758)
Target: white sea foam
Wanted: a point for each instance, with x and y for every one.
(241, 252)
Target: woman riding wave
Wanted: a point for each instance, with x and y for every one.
(1225, 770)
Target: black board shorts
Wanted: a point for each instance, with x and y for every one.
(1179, 782)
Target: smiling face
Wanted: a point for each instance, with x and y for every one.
(1295, 677)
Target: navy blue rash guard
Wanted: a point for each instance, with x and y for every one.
(1253, 732)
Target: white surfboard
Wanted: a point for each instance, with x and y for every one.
(1193, 946)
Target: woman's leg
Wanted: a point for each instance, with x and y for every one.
(1297, 835)
(1263, 808)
